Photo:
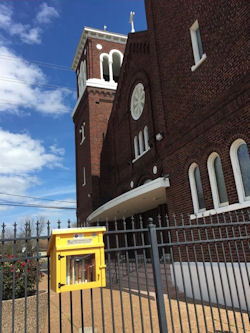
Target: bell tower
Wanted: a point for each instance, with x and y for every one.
(97, 64)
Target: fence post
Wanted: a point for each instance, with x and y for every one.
(157, 277)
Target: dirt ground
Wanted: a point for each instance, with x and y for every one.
(140, 310)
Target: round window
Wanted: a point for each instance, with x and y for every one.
(137, 101)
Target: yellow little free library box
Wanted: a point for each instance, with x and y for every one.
(77, 259)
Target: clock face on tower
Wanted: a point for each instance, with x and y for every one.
(137, 101)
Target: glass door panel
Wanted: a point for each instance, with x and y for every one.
(80, 269)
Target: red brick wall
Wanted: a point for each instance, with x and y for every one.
(199, 112)
(84, 204)
(117, 168)
(93, 55)
(208, 108)
(94, 109)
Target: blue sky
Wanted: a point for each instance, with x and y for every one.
(37, 155)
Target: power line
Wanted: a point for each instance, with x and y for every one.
(10, 79)
(14, 104)
(36, 206)
(38, 198)
(45, 64)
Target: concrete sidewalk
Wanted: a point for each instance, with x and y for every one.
(138, 310)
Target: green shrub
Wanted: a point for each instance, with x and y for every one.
(21, 268)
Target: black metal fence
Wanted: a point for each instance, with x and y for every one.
(165, 275)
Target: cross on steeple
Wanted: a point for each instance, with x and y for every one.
(132, 14)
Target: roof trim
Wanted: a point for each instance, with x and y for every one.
(70, 231)
(95, 33)
(142, 198)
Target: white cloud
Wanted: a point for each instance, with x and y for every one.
(15, 184)
(32, 36)
(5, 16)
(46, 13)
(20, 154)
(21, 87)
(21, 157)
(59, 191)
(52, 101)
(27, 33)
(56, 150)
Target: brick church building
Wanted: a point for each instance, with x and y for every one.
(162, 116)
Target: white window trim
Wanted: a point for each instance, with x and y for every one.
(197, 60)
(213, 182)
(141, 143)
(84, 71)
(115, 51)
(111, 53)
(136, 147)
(236, 170)
(110, 61)
(136, 159)
(82, 78)
(194, 189)
(146, 137)
(141, 146)
(84, 177)
(204, 57)
(225, 209)
(101, 64)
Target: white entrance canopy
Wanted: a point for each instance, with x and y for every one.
(138, 200)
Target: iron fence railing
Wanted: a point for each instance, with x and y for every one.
(168, 274)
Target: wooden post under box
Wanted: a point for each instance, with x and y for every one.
(77, 259)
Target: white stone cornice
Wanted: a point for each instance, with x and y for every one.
(99, 34)
(95, 83)
(99, 83)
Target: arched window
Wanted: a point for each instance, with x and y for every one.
(105, 66)
(83, 72)
(141, 144)
(80, 87)
(104, 59)
(82, 78)
(241, 168)
(217, 181)
(146, 138)
(136, 146)
(116, 65)
(196, 188)
(110, 65)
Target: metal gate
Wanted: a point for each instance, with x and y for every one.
(163, 275)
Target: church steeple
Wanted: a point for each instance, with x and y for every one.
(97, 64)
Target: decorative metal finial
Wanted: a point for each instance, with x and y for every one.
(105, 28)
(131, 18)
